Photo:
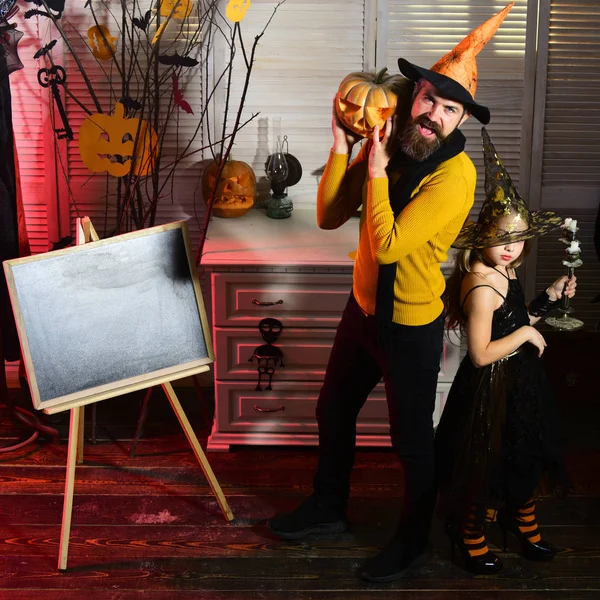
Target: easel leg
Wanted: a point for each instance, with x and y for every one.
(195, 444)
(80, 434)
(65, 530)
(141, 420)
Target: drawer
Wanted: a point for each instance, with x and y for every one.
(291, 408)
(296, 299)
(305, 354)
(288, 409)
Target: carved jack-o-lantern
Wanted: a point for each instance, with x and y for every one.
(101, 49)
(236, 10)
(106, 143)
(365, 100)
(236, 191)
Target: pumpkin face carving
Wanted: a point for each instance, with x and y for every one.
(106, 143)
(102, 50)
(365, 100)
(236, 191)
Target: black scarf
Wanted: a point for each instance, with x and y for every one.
(412, 173)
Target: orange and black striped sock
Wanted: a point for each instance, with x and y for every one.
(525, 518)
(472, 534)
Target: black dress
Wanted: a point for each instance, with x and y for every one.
(500, 431)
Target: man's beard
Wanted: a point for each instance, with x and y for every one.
(414, 145)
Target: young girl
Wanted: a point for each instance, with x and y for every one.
(499, 433)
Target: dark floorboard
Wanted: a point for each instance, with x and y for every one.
(148, 526)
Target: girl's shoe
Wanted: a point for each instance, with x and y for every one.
(476, 555)
(523, 526)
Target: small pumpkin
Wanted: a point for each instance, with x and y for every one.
(106, 143)
(236, 10)
(365, 100)
(236, 192)
(103, 48)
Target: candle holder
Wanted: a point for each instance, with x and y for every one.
(572, 261)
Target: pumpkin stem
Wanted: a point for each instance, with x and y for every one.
(380, 74)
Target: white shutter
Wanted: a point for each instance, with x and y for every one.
(95, 194)
(424, 32)
(568, 141)
(28, 108)
(308, 48)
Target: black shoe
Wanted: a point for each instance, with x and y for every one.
(309, 517)
(480, 565)
(540, 551)
(394, 561)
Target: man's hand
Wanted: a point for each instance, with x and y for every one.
(343, 139)
(378, 156)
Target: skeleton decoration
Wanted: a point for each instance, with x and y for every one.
(268, 356)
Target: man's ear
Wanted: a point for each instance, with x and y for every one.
(465, 116)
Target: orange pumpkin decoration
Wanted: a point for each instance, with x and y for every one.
(103, 48)
(236, 10)
(365, 100)
(236, 191)
(106, 143)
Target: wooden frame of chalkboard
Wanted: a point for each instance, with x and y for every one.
(109, 317)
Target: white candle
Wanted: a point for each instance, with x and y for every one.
(574, 247)
(572, 226)
(567, 222)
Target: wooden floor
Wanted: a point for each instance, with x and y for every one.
(149, 527)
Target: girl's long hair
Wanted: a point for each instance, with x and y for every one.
(455, 317)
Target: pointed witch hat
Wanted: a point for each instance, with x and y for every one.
(455, 74)
(504, 216)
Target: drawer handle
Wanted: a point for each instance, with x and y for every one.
(259, 409)
(259, 303)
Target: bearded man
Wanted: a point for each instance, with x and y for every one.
(416, 188)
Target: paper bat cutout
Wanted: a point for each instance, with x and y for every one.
(56, 6)
(130, 104)
(42, 51)
(143, 22)
(179, 101)
(175, 59)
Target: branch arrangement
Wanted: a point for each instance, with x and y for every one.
(145, 54)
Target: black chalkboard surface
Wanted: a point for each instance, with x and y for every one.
(108, 317)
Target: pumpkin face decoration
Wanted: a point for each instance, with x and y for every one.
(235, 10)
(106, 143)
(365, 100)
(236, 191)
(101, 49)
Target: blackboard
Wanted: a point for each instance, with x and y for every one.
(107, 317)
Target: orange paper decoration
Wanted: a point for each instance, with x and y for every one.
(101, 49)
(236, 10)
(106, 143)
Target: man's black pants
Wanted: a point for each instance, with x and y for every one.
(409, 365)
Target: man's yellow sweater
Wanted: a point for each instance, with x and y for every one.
(417, 240)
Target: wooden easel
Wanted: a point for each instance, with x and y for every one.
(85, 232)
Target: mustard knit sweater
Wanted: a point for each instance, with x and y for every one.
(417, 241)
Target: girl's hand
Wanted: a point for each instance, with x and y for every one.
(537, 339)
(379, 157)
(555, 291)
(343, 138)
